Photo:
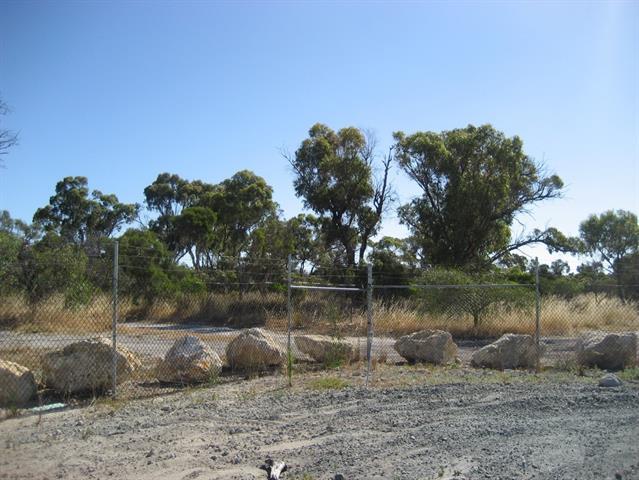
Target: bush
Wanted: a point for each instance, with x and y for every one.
(453, 292)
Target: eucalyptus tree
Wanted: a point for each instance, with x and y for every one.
(334, 175)
(474, 182)
(82, 218)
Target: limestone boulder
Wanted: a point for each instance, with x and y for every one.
(254, 348)
(323, 348)
(189, 360)
(17, 384)
(510, 351)
(87, 366)
(612, 351)
(431, 346)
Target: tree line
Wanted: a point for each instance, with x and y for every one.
(473, 182)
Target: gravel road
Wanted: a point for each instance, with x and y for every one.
(489, 425)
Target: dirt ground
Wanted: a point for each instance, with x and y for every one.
(414, 422)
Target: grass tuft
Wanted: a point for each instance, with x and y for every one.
(329, 383)
(629, 374)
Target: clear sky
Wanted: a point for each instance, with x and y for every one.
(121, 91)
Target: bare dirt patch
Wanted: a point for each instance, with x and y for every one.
(415, 422)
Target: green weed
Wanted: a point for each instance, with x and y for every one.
(329, 383)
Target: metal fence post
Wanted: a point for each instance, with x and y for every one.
(289, 312)
(114, 319)
(537, 314)
(369, 311)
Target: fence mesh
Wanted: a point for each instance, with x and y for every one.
(180, 326)
(328, 327)
(474, 315)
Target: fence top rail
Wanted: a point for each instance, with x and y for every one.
(316, 287)
(493, 285)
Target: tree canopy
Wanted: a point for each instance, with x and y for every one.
(474, 182)
(611, 238)
(83, 219)
(335, 179)
(208, 221)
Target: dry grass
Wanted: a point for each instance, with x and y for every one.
(588, 312)
(319, 314)
(52, 315)
(558, 317)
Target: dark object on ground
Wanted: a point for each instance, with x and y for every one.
(609, 380)
(273, 470)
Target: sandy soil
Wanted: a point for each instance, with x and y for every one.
(414, 423)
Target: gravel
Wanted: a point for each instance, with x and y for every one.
(542, 429)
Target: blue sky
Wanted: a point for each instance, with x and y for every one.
(121, 91)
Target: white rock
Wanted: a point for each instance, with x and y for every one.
(510, 351)
(189, 361)
(87, 366)
(612, 351)
(17, 384)
(254, 348)
(432, 346)
(323, 348)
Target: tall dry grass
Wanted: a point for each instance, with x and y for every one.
(319, 314)
(588, 312)
(559, 316)
(54, 315)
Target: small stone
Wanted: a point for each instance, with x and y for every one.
(609, 380)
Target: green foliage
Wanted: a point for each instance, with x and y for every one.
(474, 181)
(394, 263)
(167, 195)
(82, 219)
(454, 292)
(629, 374)
(10, 247)
(41, 266)
(329, 383)
(242, 203)
(208, 222)
(610, 237)
(612, 240)
(336, 357)
(50, 266)
(627, 270)
(194, 231)
(148, 270)
(335, 179)
(79, 293)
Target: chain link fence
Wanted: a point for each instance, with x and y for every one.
(123, 324)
